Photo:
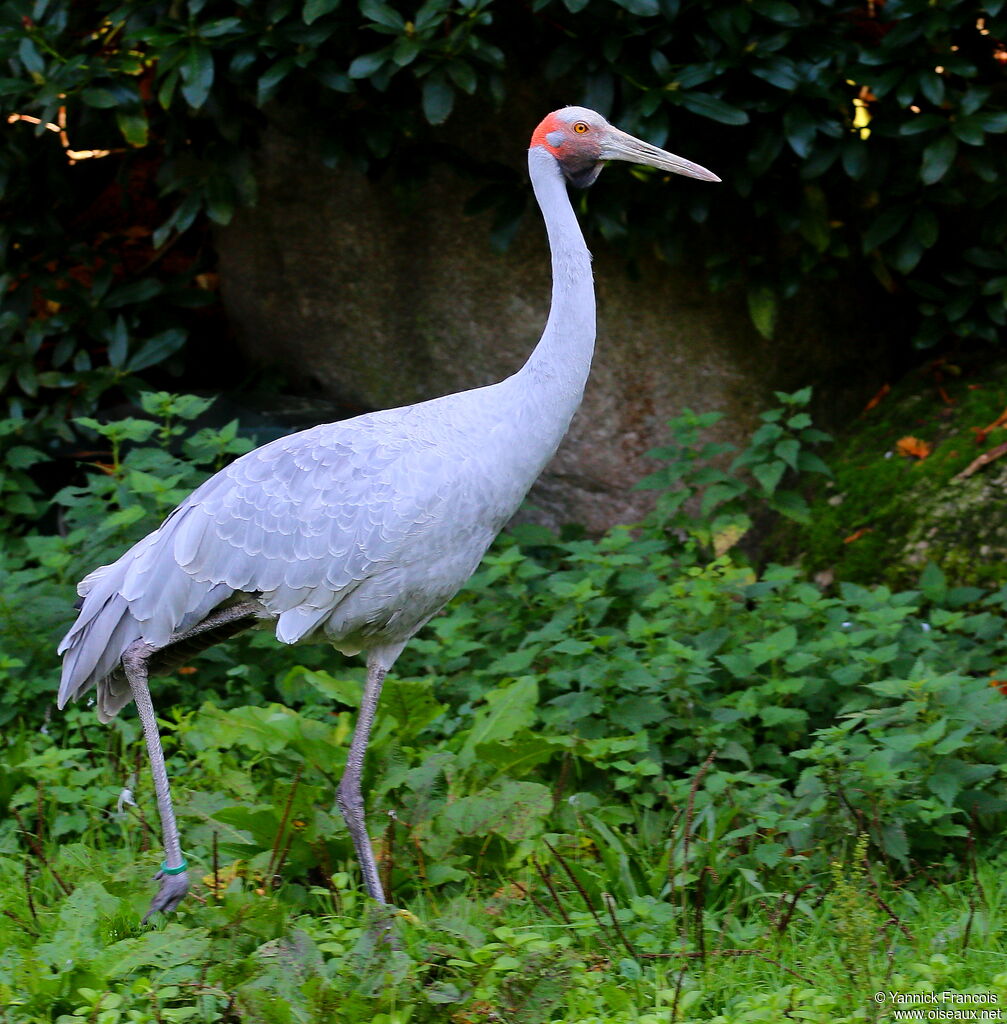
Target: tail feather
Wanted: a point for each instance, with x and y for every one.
(93, 648)
(114, 693)
(145, 595)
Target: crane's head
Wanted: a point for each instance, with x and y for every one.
(582, 140)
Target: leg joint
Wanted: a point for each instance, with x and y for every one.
(136, 656)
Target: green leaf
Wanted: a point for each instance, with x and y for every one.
(814, 226)
(774, 646)
(572, 646)
(788, 450)
(507, 711)
(769, 854)
(792, 505)
(315, 9)
(412, 704)
(27, 379)
(79, 916)
(932, 87)
(958, 597)
(512, 662)
(710, 106)
(219, 199)
(994, 121)
(855, 158)
(739, 664)
(118, 343)
(800, 129)
(177, 944)
(463, 75)
(968, 130)
(163, 404)
(933, 583)
(769, 475)
(781, 73)
(135, 292)
(908, 254)
(406, 50)
(946, 784)
(885, 226)
(100, 98)
(221, 27)
(937, 158)
(661, 65)
(133, 125)
(514, 810)
(32, 60)
(166, 90)
(762, 309)
(926, 227)
(778, 11)
(197, 75)
(432, 14)
(920, 123)
(270, 81)
(809, 462)
(521, 752)
(438, 98)
(180, 220)
(641, 8)
(720, 493)
(990, 259)
(382, 14)
(23, 457)
(797, 398)
(156, 350)
(974, 97)
(367, 65)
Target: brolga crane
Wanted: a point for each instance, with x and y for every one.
(354, 532)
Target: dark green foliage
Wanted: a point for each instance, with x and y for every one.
(847, 134)
(143, 466)
(573, 672)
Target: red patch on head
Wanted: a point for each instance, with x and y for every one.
(550, 123)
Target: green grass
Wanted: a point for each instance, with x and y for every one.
(593, 925)
(526, 952)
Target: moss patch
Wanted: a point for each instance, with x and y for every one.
(886, 513)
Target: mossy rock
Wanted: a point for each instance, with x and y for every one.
(888, 512)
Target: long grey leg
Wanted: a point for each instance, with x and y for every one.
(348, 795)
(173, 876)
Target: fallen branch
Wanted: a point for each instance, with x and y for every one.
(983, 432)
(980, 461)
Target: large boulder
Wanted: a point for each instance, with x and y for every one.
(378, 296)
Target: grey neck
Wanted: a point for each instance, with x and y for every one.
(561, 361)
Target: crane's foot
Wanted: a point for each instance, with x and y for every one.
(172, 892)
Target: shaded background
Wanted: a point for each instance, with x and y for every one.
(321, 208)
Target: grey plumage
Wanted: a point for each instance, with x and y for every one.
(355, 532)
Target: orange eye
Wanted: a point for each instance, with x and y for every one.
(580, 127)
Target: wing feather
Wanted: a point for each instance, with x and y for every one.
(299, 523)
